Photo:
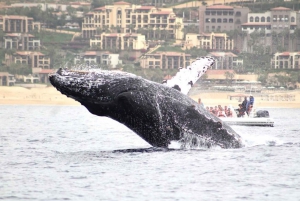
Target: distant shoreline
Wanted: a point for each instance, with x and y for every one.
(50, 96)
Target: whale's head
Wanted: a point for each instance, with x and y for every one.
(157, 113)
(98, 87)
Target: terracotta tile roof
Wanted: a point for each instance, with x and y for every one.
(122, 3)
(29, 53)
(133, 34)
(173, 54)
(112, 35)
(219, 7)
(90, 53)
(12, 34)
(205, 34)
(100, 8)
(218, 34)
(280, 8)
(162, 13)
(218, 72)
(4, 74)
(46, 71)
(285, 54)
(145, 8)
(80, 3)
(222, 54)
(167, 77)
(18, 34)
(15, 17)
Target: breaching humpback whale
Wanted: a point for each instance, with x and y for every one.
(158, 113)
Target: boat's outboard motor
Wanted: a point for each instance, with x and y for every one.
(262, 113)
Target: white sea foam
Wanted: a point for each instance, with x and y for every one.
(250, 140)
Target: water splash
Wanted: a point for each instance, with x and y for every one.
(250, 140)
(193, 141)
(188, 76)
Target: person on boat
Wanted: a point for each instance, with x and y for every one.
(225, 109)
(244, 104)
(200, 102)
(221, 113)
(241, 111)
(249, 109)
(229, 113)
(249, 103)
(211, 110)
(251, 100)
(216, 110)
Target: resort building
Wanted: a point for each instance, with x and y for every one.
(226, 60)
(21, 41)
(7, 79)
(119, 41)
(276, 20)
(18, 24)
(221, 18)
(56, 7)
(32, 59)
(273, 29)
(123, 17)
(209, 41)
(165, 60)
(286, 60)
(97, 57)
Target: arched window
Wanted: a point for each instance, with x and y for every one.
(219, 20)
(224, 20)
(262, 19)
(251, 19)
(292, 19)
(268, 19)
(213, 20)
(256, 19)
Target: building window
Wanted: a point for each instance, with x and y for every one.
(286, 18)
(262, 19)
(256, 19)
(213, 20)
(292, 19)
(268, 19)
(219, 20)
(207, 20)
(251, 19)
(274, 18)
(224, 20)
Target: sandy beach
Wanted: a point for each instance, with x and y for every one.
(50, 96)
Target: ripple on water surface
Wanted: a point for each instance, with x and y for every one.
(65, 153)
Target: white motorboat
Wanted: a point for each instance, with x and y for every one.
(255, 118)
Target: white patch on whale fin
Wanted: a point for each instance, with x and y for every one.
(186, 77)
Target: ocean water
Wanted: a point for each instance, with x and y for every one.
(66, 153)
